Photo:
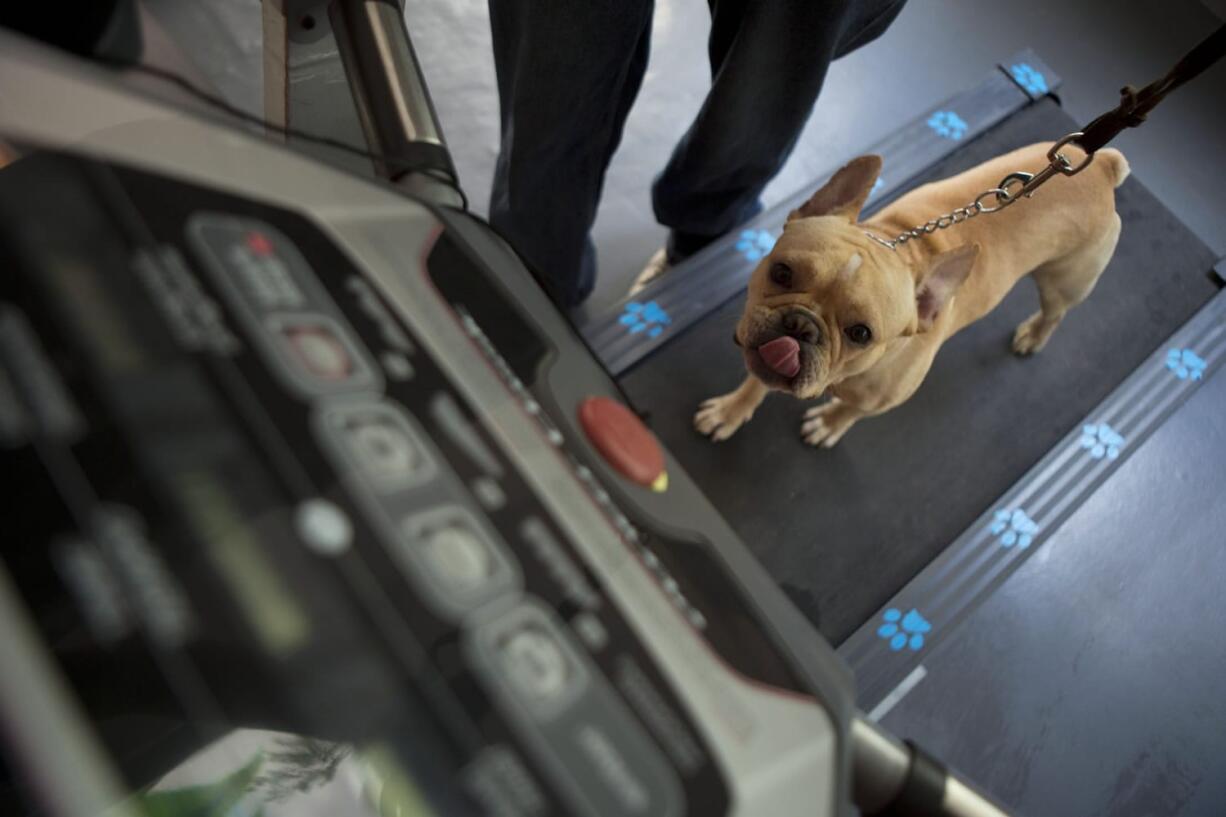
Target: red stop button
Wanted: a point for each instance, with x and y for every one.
(625, 443)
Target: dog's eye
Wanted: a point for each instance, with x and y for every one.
(781, 275)
(859, 334)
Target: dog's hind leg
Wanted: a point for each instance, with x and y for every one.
(1063, 284)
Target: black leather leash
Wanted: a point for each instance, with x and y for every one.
(1135, 105)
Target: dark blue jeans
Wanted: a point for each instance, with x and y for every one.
(568, 72)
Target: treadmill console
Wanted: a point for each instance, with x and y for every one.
(317, 504)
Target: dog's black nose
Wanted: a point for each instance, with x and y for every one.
(802, 327)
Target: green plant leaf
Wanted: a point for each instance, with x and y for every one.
(220, 799)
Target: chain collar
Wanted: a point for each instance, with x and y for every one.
(1029, 182)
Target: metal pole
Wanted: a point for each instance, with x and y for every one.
(393, 104)
(891, 777)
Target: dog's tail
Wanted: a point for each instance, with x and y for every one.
(1117, 163)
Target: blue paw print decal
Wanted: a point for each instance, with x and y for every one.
(904, 631)
(1186, 364)
(1101, 440)
(1014, 527)
(649, 317)
(1026, 76)
(948, 124)
(755, 244)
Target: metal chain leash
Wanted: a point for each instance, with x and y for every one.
(1058, 163)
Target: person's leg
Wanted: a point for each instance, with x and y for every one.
(567, 76)
(768, 63)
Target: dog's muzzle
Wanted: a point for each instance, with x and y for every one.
(782, 354)
(802, 325)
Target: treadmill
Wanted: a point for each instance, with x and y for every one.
(319, 506)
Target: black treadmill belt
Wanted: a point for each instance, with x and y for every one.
(842, 530)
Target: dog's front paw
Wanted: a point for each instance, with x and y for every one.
(1031, 335)
(826, 424)
(720, 417)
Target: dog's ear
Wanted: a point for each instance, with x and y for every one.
(945, 274)
(845, 193)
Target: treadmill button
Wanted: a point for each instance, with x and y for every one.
(259, 244)
(384, 451)
(573, 717)
(378, 442)
(457, 556)
(319, 351)
(384, 448)
(318, 355)
(624, 442)
(535, 665)
(456, 560)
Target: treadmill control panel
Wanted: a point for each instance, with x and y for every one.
(281, 548)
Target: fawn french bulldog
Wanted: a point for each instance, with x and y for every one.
(830, 309)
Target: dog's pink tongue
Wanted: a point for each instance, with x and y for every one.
(782, 355)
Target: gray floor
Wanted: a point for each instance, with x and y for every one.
(935, 48)
(1090, 682)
